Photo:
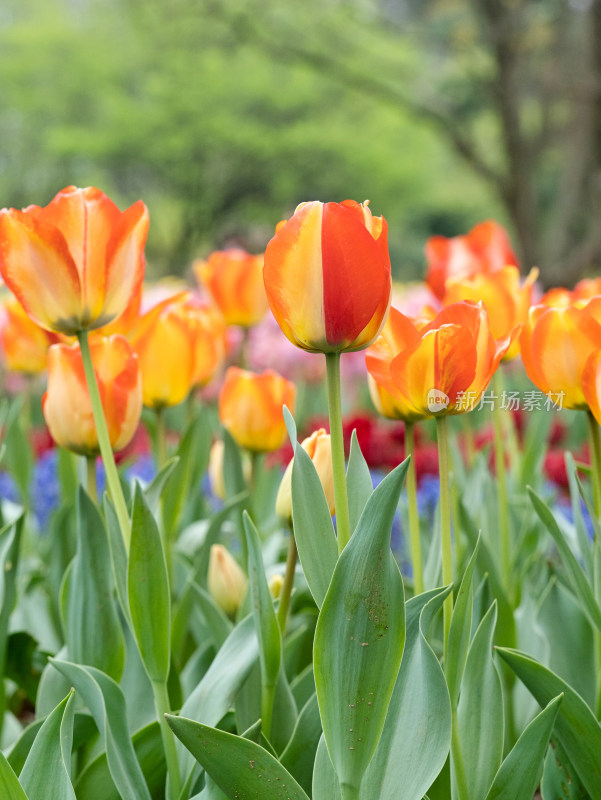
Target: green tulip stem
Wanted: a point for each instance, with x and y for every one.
(267, 701)
(414, 538)
(104, 443)
(442, 435)
(500, 472)
(343, 524)
(286, 590)
(458, 762)
(161, 438)
(595, 447)
(161, 702)
(91, 483)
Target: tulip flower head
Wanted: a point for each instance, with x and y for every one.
(226, 582)
(66, 404)
(327, 276)
(440, 368)
(74, 264)
(250, 408)
(320, 451)
(234, 279)
(486, 248)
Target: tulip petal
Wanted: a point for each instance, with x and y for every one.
(591, 384)
(37, 267)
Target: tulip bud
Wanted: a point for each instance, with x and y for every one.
(216, 468)
(226, 581)
(319, 449)
(275, 585)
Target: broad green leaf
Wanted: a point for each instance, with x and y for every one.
(118, 554)
(519, 774)
(299, 755)
(268, 629)
(10, 788)
(242, 769)
(46, 772)
(233, 473)
(576, 493)
(575, 727)
(95, 782)
(325, 780)
(360, 636)
(93, 629)
(154, 491)
(578, 579)
(216, 620)
(10, 547)
(313, 528)
(480, 711)
(290, 426)
(302, 685)
(285, 713)
(358, 478)
(460, 631)
(417, 733)
(148, 591)
(105, 700)
(560, 780)
(84, 730)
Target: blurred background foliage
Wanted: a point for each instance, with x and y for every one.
(224, 114)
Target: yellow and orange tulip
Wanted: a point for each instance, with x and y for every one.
(327, 276)
(506, 299)
(250, 408)
(486, 248)
(441, 368)
(234, 279)
(24, 344)
(556, 344)
(319, 448)
(74, 264)
(66, 404)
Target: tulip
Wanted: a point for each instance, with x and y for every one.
(226, 582)
(507, 301)
(442, 368)
(486, 248)
(234, 279)
(24, 344)
(327, 276)
(250, 408)
(66, 404)
(180, 346)
(318, 447)
(215, 470)
(556, 344)
(74, 264)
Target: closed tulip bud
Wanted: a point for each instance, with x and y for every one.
(216, 478)
(66, 404)
(275, 584)
(319, 448)
(74, 264)
(327, 276)
(234, 279)
(226, 582)
(24, 344)
(250, 408)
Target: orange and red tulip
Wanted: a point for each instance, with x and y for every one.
(74, 264)
(441, 368)
(66, 404)
(556, 344)
(506, 299)
(327, 276)
(24, 344)
(486, 248)
(234, 279)
(250, 408)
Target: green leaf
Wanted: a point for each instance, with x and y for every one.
(299, 755)
(217, 622)
(325, 780)
(577, 577)
(148, 591)
(460, 631)
(576, 727)
(233, 473)
(46, 772)
(84, 729)
(10, 548)
(154, 490)
(576, 492)
(560, 781)
(93, 630)
(313, 528)
(241, 768)
(480, 710)
(95, 782)
(10, 788)
(518, 775)
(105, 700)
(358, 478)
(416, 738)
(118, 554)
(360, 636)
